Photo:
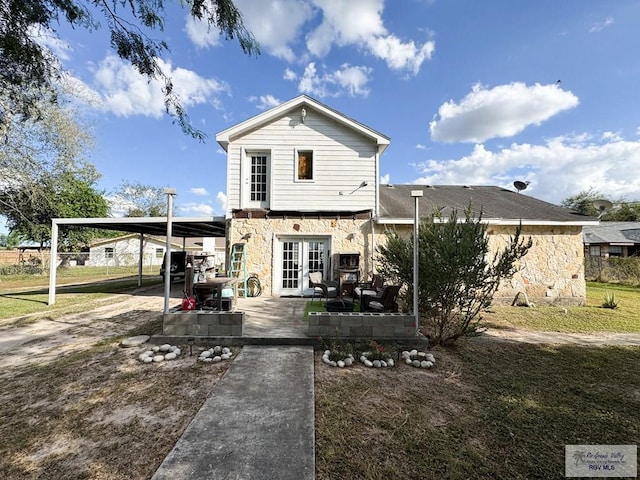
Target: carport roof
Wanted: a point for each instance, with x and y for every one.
(186, 227)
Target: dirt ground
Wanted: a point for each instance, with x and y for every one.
(76, 405)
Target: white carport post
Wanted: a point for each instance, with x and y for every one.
(140, 259)
(53, 262)
(170, 192)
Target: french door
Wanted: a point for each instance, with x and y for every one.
(296, 259)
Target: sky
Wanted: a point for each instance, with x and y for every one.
(469, 92)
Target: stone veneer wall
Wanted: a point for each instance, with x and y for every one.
(357, 325)
(347, 234)
(553, 269)
(551, 272)
(203, 324)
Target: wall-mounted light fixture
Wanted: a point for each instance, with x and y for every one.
(303, 114)
(362, 185)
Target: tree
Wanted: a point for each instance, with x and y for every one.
(29, 71)
(582, 202)
(35, 153)
(458, 275)
(62, 196)
(621, 211)
(141, 200)
(11, 240)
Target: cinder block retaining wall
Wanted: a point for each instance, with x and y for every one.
(347, 325)
(204, 324)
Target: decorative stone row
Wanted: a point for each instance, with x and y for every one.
(160, 354)
(215, 354)
(418, 359)
(345, 362)
(387, 362)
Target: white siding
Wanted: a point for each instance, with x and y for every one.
(343, 159)
(126, 252)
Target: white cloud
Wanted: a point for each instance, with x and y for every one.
(353, 79)
(599, 26)
(276, 24)
(384, 179)
(360, 24)
(202, 192)
(280, 27)
(290, 75)
(502, 111)
(200, 34)
(196, 209)
(421, 146)
(221, 197)
(125, 92)
(264, 102)
(562, 167)
(49, 39)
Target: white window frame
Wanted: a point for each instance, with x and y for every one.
(313, 165)
(109, 252)
(248, 153)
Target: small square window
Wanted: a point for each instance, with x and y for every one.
(305, 165)
(594, 251)
(615, 251)
(108, 252)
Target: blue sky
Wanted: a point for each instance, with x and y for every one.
(469, 92)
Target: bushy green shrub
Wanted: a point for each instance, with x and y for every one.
(458, 274)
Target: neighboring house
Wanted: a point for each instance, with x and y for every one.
(303, 193)
(612, 239)
(125, 251)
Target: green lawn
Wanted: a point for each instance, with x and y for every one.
(585, 319)
(488, 410)
(69, 299)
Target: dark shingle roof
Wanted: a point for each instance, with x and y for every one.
(612, 232)
(494, 202)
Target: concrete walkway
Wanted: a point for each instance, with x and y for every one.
(257, 424)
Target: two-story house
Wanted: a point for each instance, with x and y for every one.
(303, 189)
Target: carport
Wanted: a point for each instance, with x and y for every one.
(185, 227)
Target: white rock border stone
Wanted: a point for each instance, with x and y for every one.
(215, 354)
(345, 362)
(387, 362)
(418, 359)
(160, 353)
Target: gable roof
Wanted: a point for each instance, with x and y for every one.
(226, 136)
(498, 205)
(616, 233)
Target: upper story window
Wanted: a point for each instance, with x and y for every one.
(258, 178)
(304, 165)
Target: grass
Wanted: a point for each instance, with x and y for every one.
(488, 410)
(585, 319)
(72, 275)
(69, 299)
(313, 306)
(99, 413)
